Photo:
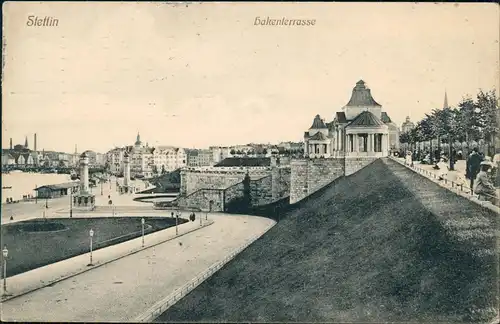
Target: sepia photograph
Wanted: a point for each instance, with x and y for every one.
(269, 162)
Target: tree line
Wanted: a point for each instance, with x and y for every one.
(471, 122)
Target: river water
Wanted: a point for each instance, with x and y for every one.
(24, 183)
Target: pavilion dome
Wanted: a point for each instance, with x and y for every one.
(318, 123)
(361, 96)
(366, 119)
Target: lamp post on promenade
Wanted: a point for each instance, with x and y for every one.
(176, 223)
(46, 202)
(101, 188)
(5, 253)
(91, 233)
(36, 195)
(142, 222)
(70, 202)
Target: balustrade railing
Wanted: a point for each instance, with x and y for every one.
(166, 303)
(459, 187)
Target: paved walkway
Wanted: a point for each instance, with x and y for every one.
(124, 289)
(29, 210)
(43, 276)
(455, 181)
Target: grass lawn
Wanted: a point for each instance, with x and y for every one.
(382, 245)
(69, 237)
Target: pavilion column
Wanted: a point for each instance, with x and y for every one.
(356, 142)
(337, 139)
(370, 143)
(384, 144)
(342, 140)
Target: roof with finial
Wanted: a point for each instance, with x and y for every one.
(361, 96)
(318, 123)
(385, 118)
(138, 140)
(26, 142)
(366, 119)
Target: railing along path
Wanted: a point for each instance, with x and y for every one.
(160, 307)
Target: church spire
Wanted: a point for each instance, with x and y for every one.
(26, 142)
(138, 140)
(445, 105)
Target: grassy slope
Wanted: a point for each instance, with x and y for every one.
(29, 251)
(365, 249)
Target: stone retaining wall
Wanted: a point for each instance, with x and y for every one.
(217, 178)
(310, 175)
(201, 199)
(354, 164)
(261, 191)
(267, 185)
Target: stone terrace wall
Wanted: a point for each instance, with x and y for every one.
(354, 164)
(233, 192)
(217, 178)
(267, 184)
(201, 199)
(310, 175)
(261, 191)
(298, 180)
(280, 186)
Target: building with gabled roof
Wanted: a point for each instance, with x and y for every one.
(361, 128)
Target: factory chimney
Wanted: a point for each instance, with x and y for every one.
(34, 148)
(11, 143)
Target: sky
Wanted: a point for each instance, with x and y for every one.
(204, 74)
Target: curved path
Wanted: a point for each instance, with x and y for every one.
(124, 289)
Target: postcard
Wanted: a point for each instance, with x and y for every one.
(250, 162)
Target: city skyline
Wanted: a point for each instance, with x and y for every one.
(205, 75)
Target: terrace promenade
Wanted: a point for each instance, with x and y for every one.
(128, 287)
(382, 245)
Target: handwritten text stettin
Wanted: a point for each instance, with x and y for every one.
(35, 21)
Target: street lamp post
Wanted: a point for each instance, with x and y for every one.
(5, 253)
(70, 202)
(91, 233)
(176, 223)
(142, 222)
(46, 202)
(101, 188)
(201, 220)
(36, 195)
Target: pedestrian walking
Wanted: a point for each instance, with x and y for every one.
(409, 158)
(472, 166)
(483, 185)
(443, 169)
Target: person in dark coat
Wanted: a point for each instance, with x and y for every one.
(473, 165)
